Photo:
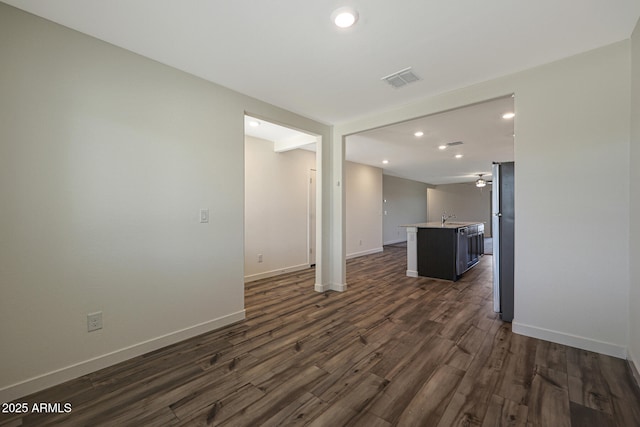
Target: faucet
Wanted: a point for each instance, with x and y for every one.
(445, 217)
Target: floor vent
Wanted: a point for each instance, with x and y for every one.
(401, 78)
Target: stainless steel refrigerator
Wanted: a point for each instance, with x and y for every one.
(502, 232)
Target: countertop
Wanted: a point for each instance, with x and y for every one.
(438, 224)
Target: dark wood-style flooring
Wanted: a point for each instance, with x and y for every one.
(391, 351)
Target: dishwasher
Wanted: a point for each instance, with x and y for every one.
(462, 250)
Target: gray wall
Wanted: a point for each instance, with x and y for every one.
(404, 202)
(634, 250)
(363, 212)
(466, 201)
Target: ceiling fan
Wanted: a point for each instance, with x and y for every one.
(481, 182)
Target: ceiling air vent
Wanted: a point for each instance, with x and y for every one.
(453, 144)
(401, 78)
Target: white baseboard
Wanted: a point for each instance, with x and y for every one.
(319, 287)
(59, 376)
(576, 341)
(330, 287)
(412, 273)
(363, 253)
(340, 287)
(273, 273)
(393, 242)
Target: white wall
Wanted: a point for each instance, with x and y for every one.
(634, 250)
(405, 202)
(572, 239)
(363, 209)
(106, 159)
(466, 201)
(276, 209)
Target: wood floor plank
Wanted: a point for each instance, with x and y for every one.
(586, 417)
(403, 387)
(551, 355)
(428, 404)
(279, 393)
(202, 398)
(466, 348)
(625, 395)
(405, 349)
(335, 415)
(549, 399)
(367, 419)
(219, 410)
(342, 379)
(471, 400)
(297, 413)
(360, 395)
(505, 413)
(519, 368)
(586, 385)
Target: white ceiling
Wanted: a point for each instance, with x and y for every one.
(273, 132)
(289, 53)
(486, 138)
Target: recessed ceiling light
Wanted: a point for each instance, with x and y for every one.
(254, 123)
(385, 162)
(419, 133)
(442, 147)
(458, 156)
(508, 115)
(344, 17)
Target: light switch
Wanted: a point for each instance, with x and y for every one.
(204, 215)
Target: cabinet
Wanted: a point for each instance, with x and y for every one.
(437, 248)
(475, 247)
(447, 252)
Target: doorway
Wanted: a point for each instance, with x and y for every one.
(278, 198)
(447, 150)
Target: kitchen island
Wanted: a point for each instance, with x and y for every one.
(443, 251)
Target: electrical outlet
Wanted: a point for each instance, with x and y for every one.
(94, 321)
(259, 257)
